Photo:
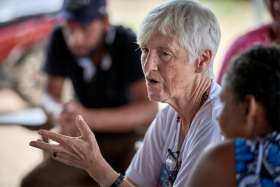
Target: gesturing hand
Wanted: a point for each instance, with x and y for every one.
(82, 152)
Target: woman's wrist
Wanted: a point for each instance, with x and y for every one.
(103, 173)
(109, 177)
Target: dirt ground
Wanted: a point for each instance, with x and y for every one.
(16, 157)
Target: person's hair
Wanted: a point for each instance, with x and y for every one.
(195, 26)
(256, 72)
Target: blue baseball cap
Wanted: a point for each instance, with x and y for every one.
(83, 11)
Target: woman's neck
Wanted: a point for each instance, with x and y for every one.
(190, 101)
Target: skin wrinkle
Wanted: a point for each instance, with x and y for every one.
(195, 100)
(175, 86)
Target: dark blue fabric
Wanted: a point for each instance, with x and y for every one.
(84, 11)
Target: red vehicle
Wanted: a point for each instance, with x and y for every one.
(23, 34)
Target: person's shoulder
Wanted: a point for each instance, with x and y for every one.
(259, 35)
(219, 158)
(57, 39)
(122, 39)
(215, 167)
(263, 29)
(124, 34)
(166, 117)
(57, 32)
(220, 153)
(168, 112)
(123, 30)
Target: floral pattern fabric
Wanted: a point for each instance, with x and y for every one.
(258, 161)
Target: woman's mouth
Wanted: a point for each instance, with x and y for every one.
(152, 81)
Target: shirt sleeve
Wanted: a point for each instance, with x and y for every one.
(57, 55)
(145, 167)
(208, 134)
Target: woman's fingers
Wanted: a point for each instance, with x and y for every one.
(44, 146)
(54, 149)
(83, 126)
(62, 139)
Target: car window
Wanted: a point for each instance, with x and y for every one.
(15, 9)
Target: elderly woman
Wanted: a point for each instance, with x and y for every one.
(179, 40)
(251, 97)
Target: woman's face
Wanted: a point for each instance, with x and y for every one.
(232, 117)
(167, 68)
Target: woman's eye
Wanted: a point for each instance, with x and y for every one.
(165, 56)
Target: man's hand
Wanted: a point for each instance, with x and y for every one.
(66, 119)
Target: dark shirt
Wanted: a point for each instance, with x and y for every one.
(107, 84)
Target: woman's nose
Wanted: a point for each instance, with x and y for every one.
(151, 63)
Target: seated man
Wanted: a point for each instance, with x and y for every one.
(179, 40)
(103, 63)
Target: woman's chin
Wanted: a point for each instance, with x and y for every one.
(154, 97)
(157, 98)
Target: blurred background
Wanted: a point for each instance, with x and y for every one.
(24, 29)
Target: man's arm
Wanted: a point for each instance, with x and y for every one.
(140, 112)
(55, 87)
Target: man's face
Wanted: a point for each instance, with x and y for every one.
(80, 39)
(167, 68)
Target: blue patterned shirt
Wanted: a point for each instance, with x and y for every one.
(258, 161)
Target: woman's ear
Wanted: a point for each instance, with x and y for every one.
(251, 113)
(203, 61)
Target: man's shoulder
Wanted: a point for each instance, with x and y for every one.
(57, 32)
(258, 35)
(120, 29)
(124, 34)
(56, 39)
(263, 29)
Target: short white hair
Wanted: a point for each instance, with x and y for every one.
(195, 26)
